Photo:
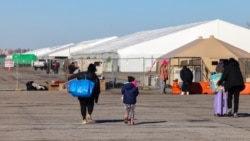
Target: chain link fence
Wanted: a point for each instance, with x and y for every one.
(114, 71)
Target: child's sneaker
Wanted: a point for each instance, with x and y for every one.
(84, 121)
(182, 93)
(132, 122)
(126, 120)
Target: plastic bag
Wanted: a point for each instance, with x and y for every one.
(81, 88)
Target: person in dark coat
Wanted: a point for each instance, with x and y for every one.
(130, 92)
(72, 68)
(233, 82)
(87, 104)
(187, 78)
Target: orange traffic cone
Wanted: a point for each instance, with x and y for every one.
(176, 88)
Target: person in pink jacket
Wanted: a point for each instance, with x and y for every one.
(163, 76)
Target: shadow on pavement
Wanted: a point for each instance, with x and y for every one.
(119, 120)
(150, 122)
(108, 120)
(243, 115)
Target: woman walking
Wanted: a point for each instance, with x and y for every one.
(233, 82)
(87, 103)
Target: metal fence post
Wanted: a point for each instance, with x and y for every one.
(17, 76)
(143, 71)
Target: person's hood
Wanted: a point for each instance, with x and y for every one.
(128, 85)
(233, 64)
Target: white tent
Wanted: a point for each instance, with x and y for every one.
(155, 43)
(123, 45)
(44, 52)
(66, 52)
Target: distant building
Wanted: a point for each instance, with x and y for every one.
(5, 51)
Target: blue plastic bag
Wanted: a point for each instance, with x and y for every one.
(81, 88)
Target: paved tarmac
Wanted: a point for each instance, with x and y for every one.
(55, 116)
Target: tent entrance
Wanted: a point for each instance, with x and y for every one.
(197, 65)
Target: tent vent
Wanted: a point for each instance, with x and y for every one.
(200, 37)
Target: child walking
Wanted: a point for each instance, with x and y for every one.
(130, 92)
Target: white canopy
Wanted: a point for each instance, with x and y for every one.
(155, 43)
(66, 52)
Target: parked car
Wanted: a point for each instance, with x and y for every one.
(38, 64)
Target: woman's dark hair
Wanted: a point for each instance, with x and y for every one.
(92, 68)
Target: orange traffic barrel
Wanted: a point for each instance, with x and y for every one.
(206, 89)
(246, 91)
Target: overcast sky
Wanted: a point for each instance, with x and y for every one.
(32, 24)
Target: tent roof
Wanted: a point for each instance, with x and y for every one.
(136, 38)
(209, 48)
(157, 42)
(79, 46)
(43, 52)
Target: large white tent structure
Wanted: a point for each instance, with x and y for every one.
(44, 52)
(66, 52)
(155, 43)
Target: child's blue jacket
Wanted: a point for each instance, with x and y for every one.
(130, 92)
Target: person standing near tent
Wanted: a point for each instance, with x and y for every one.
(187, 78)
(56, 66)
(163, 76)
(233, 82)
(71, 68)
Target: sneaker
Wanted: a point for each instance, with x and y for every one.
(235, 115)
(126, 120)
(132, 122)
(182, 93)
(89, 118)
(229, 112)
(84, 121)
(187, 93)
